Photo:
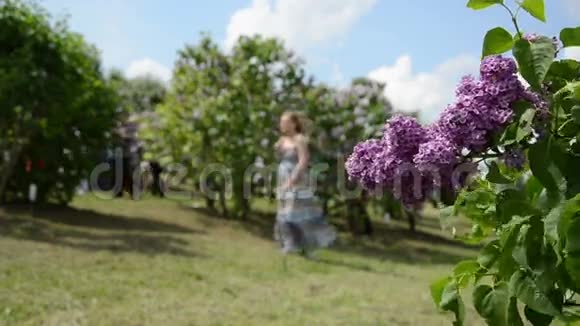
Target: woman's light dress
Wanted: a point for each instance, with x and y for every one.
(300, 224)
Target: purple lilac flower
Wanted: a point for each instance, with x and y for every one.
(408, 155)
(466, 85)
(361, 163)
(438, 152)
(483, 107)
(514, 158)
(403, 135)
(497, 67)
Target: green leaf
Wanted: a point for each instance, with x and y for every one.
(509, 135)
(535, 8)
(528, 292)
(495, 176)
(510, 203)
(575, 112)
(482, 4)
(537, 318)
(572, 263)
(520, 253)
(509, 232)
(489, 254)
(451, 301)
(525, 126)
(497, 41)
(514, 318)
(449, 295)
(538, 156)
(573, 250)
(570, 36)
(533, 188)
(567, 165)
(570, 211)
(476, 204)
(528, 249)
(534, 59)
(464, 271)
(476, 236)
(561, 72)
(551, 223)
(571, 315)
(569, 129)
(520, 107)
(571, 88)
(573, 235)
(492, 303)
(564, 279)
(508, 238)
(437, 288)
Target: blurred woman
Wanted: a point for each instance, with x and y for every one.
(300, 224)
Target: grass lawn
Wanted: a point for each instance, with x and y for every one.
(158, 262)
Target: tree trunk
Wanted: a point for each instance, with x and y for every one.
(368, 226)
(241, 203)
(359, 221)
(210, 203)
(8, 167)
(325, 207)
(351, 219)
(393, 207)
(412, 221)
(223, 203)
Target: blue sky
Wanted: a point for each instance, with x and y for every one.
(419, 47)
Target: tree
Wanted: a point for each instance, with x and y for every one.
(223, 109)
(365, 108)
(140, 94)
(57, 117)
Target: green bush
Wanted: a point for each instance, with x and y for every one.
(55, 105)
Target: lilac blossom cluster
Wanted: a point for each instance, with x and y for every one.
(376, 163)
(482, 109)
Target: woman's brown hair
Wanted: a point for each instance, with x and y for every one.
(300, 120)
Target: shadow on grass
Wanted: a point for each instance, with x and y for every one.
(361, 267)
(91, 231)
(390, 242)
(87, 218)
(400, 251)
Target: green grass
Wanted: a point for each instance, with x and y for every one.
(158, 262)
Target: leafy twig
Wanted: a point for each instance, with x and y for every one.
(514, 18)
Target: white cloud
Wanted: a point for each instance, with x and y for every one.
(572, 53)
(301, 23)
(426, 92)
(148, 67)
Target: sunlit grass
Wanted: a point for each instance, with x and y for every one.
(153, 262)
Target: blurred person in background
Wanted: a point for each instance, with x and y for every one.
(300, 224)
